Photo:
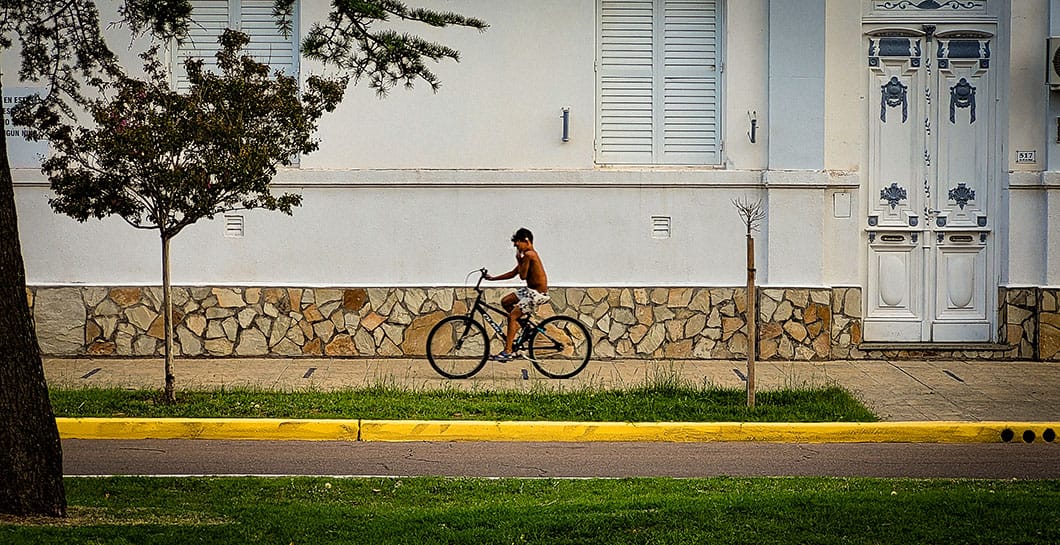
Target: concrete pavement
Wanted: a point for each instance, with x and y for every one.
(895, 391)
(918, 401)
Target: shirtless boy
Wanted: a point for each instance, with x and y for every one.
(523, 302)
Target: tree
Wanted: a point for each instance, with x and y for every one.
(62, 46)
(163, 160)
(752, 215)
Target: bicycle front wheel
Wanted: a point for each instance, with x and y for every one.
(560, 347)
(457, 347)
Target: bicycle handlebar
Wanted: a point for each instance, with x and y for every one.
(481, 276)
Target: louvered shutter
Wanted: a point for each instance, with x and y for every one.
(657, 82)
(625, 122)
(267, 43)
(253, 17)
(689, 94)
(209, 19)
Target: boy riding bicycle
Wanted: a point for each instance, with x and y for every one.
(525, 300)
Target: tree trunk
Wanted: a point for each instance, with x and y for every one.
(167, 305)
(31, 456)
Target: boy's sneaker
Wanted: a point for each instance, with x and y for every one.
(503, 357)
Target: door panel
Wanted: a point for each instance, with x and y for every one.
(895, 269)
(960, 309)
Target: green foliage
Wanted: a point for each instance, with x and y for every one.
(63, 48)
(164, 19)
(163, 160)
(61, 45)
(385, 57)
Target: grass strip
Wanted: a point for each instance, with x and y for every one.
(652, 403)
(474, 511)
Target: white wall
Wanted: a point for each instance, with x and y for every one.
(1027, 256)
(1029, 259)
(499, 107)
(746, 83)
(413, 234)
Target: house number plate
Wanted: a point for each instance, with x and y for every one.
(1027, 156)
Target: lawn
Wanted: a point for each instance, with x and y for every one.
(657, 402)
(288, 510)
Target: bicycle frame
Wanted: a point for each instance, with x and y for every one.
(482, 308)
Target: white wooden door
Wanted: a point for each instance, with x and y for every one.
(931, 183)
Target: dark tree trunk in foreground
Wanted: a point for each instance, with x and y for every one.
(31, 458)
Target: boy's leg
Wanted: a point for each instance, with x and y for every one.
(511, 304)
(513, 327)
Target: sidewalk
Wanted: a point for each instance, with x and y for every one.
(895, 391)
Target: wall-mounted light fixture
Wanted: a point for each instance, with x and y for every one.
(566, 124)
(752, 117)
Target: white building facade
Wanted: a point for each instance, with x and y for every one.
(905, 153)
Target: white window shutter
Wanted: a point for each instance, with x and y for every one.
(267, 42)
(210, 18)
(625, 121)
(658, 82)
(689, 94)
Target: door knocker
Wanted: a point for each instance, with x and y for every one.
(892, 94)
(962, 95)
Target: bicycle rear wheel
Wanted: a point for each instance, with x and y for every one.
(457, 347)
(560, 347)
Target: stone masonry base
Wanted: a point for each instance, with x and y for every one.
(674, 323)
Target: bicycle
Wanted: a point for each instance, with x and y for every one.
(458, 346)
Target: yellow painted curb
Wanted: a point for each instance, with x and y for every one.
(827, 432)
(264, 429)
(464, 430)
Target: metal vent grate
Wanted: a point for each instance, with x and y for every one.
(660, 227)
(234, 226)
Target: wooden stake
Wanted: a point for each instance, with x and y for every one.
(752, 322)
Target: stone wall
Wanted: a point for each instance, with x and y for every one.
(846, 323)
(674, 323)
(1049, 322)
(1031, 322)
(671, 323)
(1019, 320)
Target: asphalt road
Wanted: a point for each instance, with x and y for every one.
(560, 460)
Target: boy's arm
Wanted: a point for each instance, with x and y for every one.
(505, 276)
(520, 258)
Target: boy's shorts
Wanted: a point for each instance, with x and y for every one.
(530, 299)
